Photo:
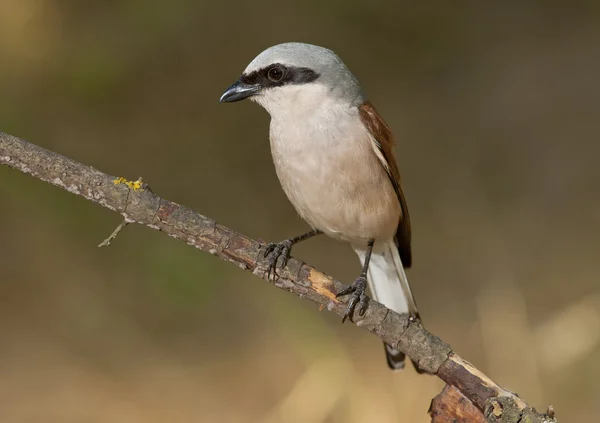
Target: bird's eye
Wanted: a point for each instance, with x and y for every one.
(275, 74)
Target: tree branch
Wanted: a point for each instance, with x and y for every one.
(138, 204)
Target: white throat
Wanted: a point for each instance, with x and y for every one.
(297, 101)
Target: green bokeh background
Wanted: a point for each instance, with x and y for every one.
(495, 107)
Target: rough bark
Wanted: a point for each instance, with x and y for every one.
(451, 406)
(138, 204)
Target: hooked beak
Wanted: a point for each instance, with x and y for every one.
(238, 91)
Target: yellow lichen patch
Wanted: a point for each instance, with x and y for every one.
(321, 283)
(134, 185)
(139, 184)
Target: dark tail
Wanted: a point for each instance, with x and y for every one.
(396, 360)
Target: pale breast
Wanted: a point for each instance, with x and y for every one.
(331, 175)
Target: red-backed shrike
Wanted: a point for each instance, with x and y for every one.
(334, 156)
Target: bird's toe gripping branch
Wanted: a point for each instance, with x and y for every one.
(358, 299)
(277, 252)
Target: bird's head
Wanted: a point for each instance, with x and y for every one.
(294, 76)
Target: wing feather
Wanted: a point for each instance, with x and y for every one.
(383, 146)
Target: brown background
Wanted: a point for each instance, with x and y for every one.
(496, 112)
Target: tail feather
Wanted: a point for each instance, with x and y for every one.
(389, 285)
(396, 360)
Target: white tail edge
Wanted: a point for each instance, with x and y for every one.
(389, 286)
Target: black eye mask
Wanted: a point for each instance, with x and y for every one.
(277, 75)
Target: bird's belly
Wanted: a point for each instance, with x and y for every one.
(344, 192)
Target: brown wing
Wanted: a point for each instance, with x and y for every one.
(384, 147)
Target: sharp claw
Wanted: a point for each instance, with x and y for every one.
(270, 247)
(352, 304)
(347, 314)
(358, 296)
(345, 291)
(285, 256)
(350, 308)
(362, 305)
(280, 253)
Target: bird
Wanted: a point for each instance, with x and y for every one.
(334, 157)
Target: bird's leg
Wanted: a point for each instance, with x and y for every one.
(282, 249)
(358, 288)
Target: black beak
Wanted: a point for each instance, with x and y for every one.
(238, 91)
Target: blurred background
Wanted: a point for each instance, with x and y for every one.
(495, 108)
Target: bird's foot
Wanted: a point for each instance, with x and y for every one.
(277, 251)
(358, 299)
